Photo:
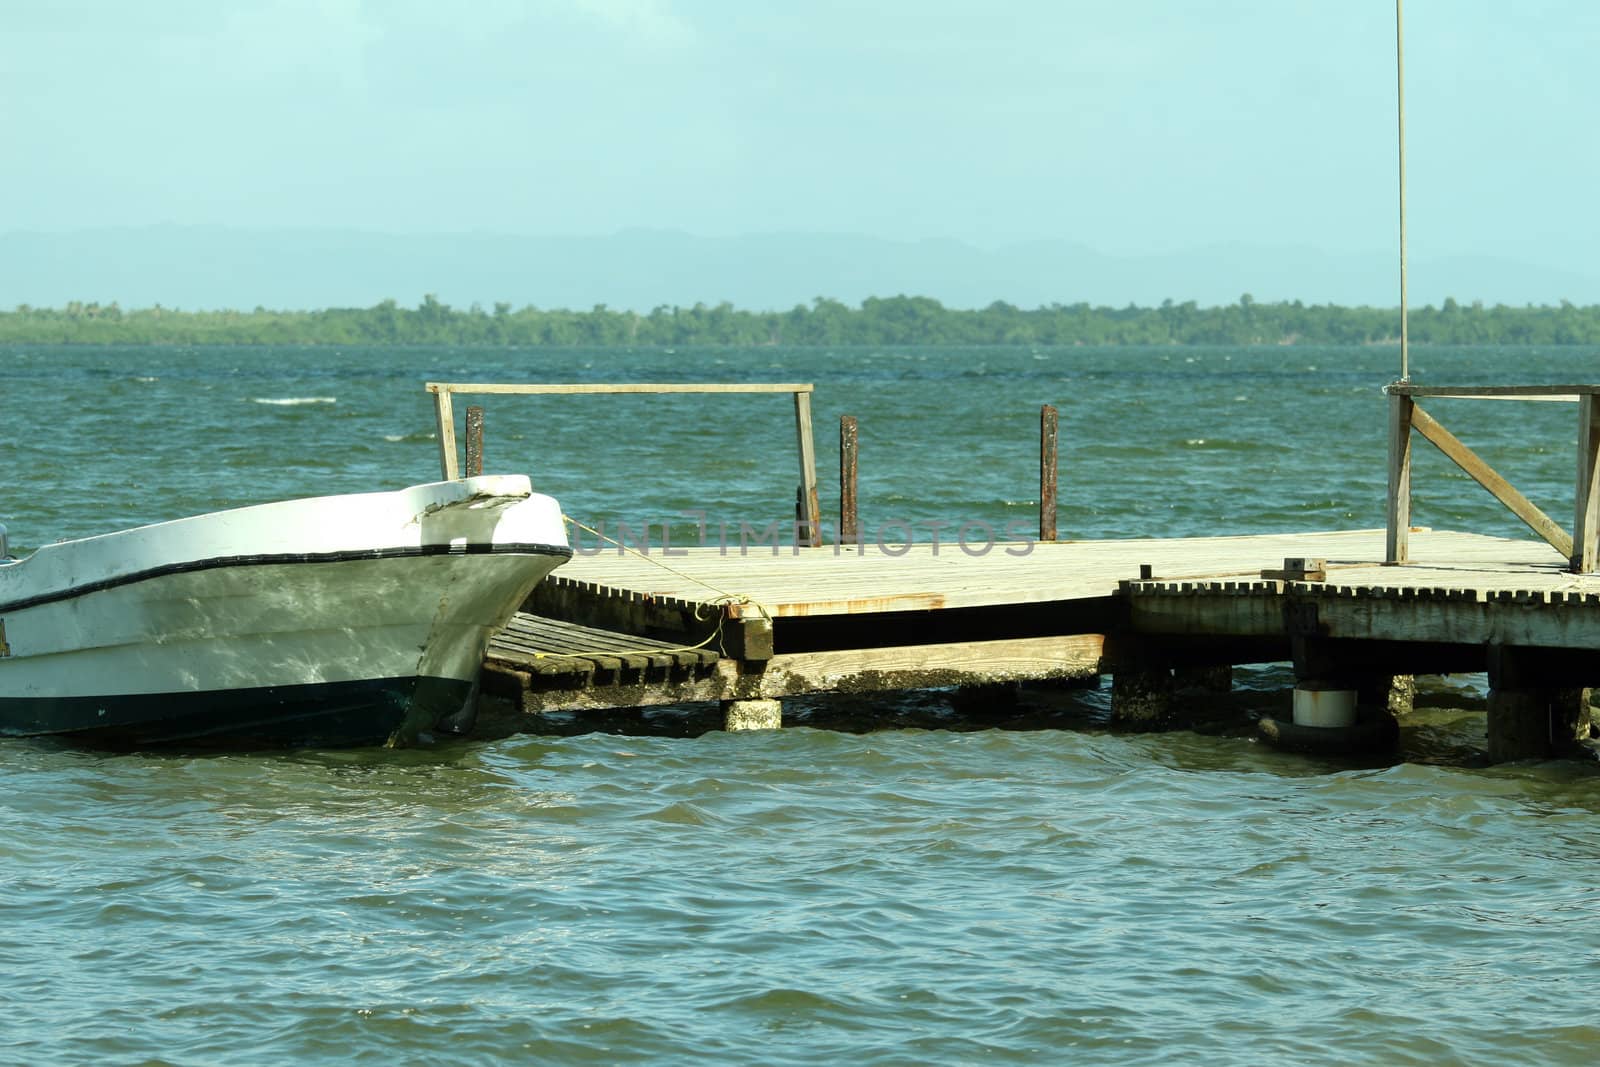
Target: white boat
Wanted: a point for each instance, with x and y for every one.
(331, 620)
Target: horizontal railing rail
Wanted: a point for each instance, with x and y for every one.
(810, 517)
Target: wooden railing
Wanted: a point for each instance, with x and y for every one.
(809, 517)
(1405, 415)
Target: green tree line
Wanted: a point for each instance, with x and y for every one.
(898, 320)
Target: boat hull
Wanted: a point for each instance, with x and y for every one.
(360, 620)
(323, 714)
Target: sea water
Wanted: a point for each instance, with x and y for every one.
(898, 879)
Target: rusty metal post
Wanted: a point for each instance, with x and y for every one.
(1047, 473)
(848, 452)
(474, 442)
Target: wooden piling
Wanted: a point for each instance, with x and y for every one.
(1141, 697)
(1586, 520)
(1519, 710)
(1047, 473)
(445, 423)
(848, 453)
(474, 466)
(811, 517)
(1397, 547)
(1518, 725)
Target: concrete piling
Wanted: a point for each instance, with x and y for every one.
(752, 714)
(1141, 697)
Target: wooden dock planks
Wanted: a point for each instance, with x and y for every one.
(823, 581)
(824, 620)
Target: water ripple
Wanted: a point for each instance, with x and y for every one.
(938, 894)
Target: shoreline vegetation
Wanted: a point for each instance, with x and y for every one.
(898, 320)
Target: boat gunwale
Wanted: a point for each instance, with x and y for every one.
(484, 548)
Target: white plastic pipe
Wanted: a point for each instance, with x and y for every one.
(1324, 707)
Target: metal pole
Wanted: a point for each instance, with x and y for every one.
(1400, 83)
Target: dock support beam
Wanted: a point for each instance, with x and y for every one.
(1519, 724)
(752, 714)
(1334, 686)
(1534, 710)
(1141, 698)
(1537, 723)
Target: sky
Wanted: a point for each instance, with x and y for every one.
(1130, 127)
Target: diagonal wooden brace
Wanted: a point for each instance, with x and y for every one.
(1490, 479)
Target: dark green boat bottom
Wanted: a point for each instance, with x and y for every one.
(366, 712)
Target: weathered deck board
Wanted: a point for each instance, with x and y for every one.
(823, 581)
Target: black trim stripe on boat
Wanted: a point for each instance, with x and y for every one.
(270, 559)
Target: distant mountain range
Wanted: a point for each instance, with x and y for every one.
(210, 267)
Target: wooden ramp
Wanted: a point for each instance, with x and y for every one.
(551, 646)
(543, 664)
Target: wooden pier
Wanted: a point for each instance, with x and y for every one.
(616, 629)
(751, 624)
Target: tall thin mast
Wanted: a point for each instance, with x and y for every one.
(1400, 81)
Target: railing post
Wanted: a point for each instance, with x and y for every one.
(445, 418)
(1586, 517)
(848, 458)
(474, 465)
(1047, 473)
(1397, 547)
(810, 505)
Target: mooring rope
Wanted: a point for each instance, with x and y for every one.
(724, 597)
(703, 609)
